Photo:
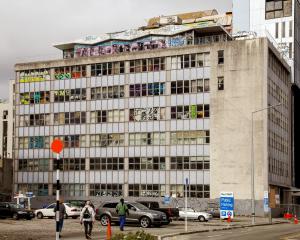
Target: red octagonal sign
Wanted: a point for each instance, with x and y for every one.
(57, 145)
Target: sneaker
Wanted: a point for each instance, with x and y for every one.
(88, 236)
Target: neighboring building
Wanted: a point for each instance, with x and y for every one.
(6, 146)
(141, 110)
(279, 20)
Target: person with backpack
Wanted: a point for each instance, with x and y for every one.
(122, 210)
(87, 217)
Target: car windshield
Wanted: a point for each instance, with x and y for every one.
(13, 205)
(139, 206)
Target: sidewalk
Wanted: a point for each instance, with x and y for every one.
(218, 225)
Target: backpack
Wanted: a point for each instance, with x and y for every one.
(86, 213)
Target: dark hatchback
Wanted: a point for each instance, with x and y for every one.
(15, 211)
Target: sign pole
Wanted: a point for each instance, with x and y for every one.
(57, 195)
(186, 186)
(57, 146)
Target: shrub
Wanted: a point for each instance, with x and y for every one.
(139, 235)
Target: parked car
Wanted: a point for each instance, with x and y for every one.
(172, 213)
(77, 203)
(194, 215)
(138, 213)
(71, 211)
(15, 211)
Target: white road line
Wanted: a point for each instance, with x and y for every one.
(214, 236)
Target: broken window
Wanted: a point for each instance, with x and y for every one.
(146, 114)
(107, 140)
(36, 75)
(221, 57)
(220, 83)
(35, 97)
(142, 139)
(62, 73)
(150, 89)
(147, 65)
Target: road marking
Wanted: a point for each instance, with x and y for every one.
(214, 236)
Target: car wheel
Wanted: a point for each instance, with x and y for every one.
(145, 222)
(15, 216)
(201, 219)
(104, 219)
(39, 215)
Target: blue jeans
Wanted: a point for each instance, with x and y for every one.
(122, 222)
(61, 224)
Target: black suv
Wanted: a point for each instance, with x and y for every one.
(15, 211)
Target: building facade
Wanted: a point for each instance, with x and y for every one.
(6, 145)
(138, 119)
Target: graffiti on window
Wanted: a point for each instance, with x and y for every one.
(70, 72)
(34, 75)
(146, 114)
(38, 142)
(35, 97)
(69, 95)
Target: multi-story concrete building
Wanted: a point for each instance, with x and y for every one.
(142, 110)
(279, 20)
(6, 145)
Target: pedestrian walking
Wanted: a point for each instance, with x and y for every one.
(62, 212)
(87, 217)
(122, 210)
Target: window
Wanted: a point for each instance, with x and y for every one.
(146, 163)
(69, 118)
(221, 57)
(106, 163)
(147, 65)
(146, 190)
(107, 116)
(283, 30)
(73, 141)
(277, 30)
(150, 89)
(189, 137)
(35, 97)
(187, 86)
(37, 189)
(190, 112)
(146, 114)
(109, 92)
(220, 83)
(71, 190)
(71, 164)
(290, 50)
(30, 165)
(278, 8)
(65, 95)
(190, 61)
(143, 139)
(107, 190)
(36, 75)
(62, 73)
(291, 29)
(107, 140)
(193, 191)
(190, 163)
(111, 68)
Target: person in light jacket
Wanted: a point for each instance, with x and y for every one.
(87, 217)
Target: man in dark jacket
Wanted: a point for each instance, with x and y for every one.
(62, 212)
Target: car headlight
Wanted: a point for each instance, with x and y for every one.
(20, 212)
(155, 214)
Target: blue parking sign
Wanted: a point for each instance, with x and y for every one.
(226, 205)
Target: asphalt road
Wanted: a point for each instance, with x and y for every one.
(274, 232)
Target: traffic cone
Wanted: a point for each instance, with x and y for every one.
(229, 219)
(295, 220)
(108, 231)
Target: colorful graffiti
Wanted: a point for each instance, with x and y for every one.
(62, 76)
(119, 47)
(34, 76)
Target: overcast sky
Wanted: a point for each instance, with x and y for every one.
(28, 28)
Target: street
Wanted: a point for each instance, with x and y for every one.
(274, 232)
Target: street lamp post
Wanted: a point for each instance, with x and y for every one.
(252, 160)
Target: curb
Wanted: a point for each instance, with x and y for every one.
(216, 229)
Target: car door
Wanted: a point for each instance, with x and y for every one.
(111, 207)
(3, 210)
(133, 214)
(49, 211)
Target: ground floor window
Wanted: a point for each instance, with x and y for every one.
(193, 191)
(146, 190)
(111, 190)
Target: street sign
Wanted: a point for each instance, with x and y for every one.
(167, 199)
(57, 146)
(266, 201)
(29, 194)
(226, 205)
